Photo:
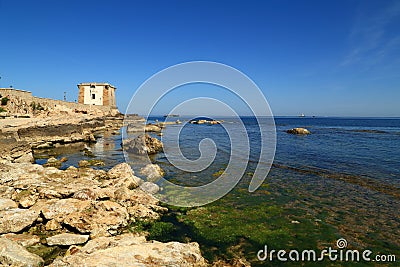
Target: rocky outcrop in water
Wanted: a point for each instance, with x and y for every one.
(142, 145)
(298, 131)
(140, 127)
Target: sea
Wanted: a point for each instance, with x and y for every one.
(340, 181)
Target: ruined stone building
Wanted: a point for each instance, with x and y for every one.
(100, 94)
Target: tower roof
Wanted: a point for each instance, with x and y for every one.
(96, 83)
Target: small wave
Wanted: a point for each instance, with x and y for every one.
(361, 180)
(369, 131)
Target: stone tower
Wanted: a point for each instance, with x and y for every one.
(101, 94)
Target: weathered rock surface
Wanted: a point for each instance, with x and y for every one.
(12, 150)
(152, 128)
(143, 144)
(58, 209)
(15, 220)
(140, 127)
(66, 132)
(101, 219)
(67, 239)
(6, 191)
(92, 202)
(152, 172)
(83, 163)
(298, 131)
(53, 162)
(53, 225)
(6, 204)
(135, 127)
(24, 240)
(130, 250)
(13, 254)
(150, 188)
(122, 175)
(143, 206)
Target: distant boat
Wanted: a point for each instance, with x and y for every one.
(302, 115)
(171, 115)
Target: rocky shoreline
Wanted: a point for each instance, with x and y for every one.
(19, 136)
(78, 216)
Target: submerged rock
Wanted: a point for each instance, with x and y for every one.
(150, 188)
(96, 162)
(53, 162)
(298, 131)
(83, 164)
(13, 254)
(153, 172)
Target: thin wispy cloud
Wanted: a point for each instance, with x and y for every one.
(372, 37)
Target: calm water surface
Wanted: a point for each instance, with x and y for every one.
(345, 176)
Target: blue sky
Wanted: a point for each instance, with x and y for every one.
(328, 58)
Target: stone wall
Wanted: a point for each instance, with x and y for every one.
(20, 103)
(15, 92)
(71, 105)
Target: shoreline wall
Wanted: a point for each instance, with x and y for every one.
(21, 100)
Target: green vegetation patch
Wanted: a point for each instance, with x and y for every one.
(226, 231)
(4, 101)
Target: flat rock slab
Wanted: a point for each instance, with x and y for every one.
(24, 240)
(15, 220)
(6, 204)
(66, 239)
(13, 254)
(60, 208)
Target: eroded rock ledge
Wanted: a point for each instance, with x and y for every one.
(19, 136)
